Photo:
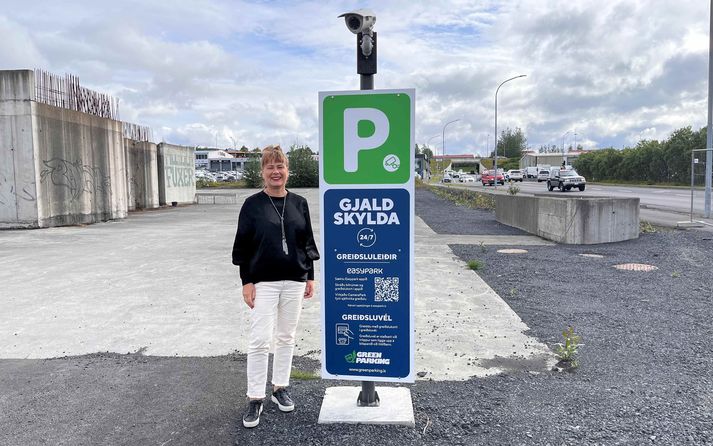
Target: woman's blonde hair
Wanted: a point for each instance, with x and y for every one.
(273, 154)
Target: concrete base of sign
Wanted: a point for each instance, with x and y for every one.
(689, 224)
(340, 406)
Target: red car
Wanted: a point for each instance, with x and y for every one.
(488, 179)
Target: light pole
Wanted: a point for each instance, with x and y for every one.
(709, 131)
(428, 143)
(496, 125)
(563, 135)
(443, 138)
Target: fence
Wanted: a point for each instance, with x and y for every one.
(207, 198)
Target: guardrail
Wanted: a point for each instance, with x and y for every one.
(204, 198)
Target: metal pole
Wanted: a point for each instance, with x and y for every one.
(368, 396)
(495, 184)
(709, 130)
(692, 166)
(443, 139)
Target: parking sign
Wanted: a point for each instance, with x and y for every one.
(366, 195)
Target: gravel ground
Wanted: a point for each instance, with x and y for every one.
(644, 375)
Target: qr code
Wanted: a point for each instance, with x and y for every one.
(386, 289)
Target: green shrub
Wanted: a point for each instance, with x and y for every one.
(567, 352)
(475, 264)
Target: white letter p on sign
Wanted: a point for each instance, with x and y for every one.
(353, 143)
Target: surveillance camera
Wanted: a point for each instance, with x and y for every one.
(360, 21)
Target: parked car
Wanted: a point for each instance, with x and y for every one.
(467, 179)
(446, 180)
(513, 175)
(531, 172)
(543, 175)
(565, 179)
(489, 178)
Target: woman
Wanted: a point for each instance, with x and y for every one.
(275, 249)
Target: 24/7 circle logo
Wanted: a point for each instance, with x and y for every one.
(367, 138)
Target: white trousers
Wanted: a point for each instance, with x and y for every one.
(277, 310)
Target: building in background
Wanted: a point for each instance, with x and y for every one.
(534, 159)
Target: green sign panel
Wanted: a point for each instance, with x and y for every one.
(367, 138)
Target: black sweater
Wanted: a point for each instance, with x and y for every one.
(258, 241)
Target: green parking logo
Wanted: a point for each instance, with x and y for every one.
(351, 357)
(367, 138)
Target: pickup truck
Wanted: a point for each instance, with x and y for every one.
(565, 180)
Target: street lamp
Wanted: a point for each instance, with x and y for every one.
(428, 143)
(496, 125)
(443, 138)
(563, 135)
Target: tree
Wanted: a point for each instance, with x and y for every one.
(252, 173)
(427, 151)
(304, 169)
(511, 143)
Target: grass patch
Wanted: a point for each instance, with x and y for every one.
(205, 184)
(646, 228)
(302, 375)
(464, 197)
(475, 264)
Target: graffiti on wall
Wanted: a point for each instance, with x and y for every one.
(179, 170)
(77, 177)
(7, 191)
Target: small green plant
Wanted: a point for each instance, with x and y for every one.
(513, 189)
(303, 375)
(567, 352)
(513, 292)
(476, 265)
(675, 274)
(646, 228)
(482, 247)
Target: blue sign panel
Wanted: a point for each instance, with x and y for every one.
(367, 267)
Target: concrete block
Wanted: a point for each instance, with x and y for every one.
(141, 174)
(340, 406)
(571, 219)
(176, 173)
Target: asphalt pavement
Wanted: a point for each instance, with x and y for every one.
(644, 374)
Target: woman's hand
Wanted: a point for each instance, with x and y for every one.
(309, 289)
(249, 294)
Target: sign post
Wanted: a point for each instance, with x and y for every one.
(367, 207)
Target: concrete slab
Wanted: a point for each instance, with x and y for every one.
(339, 406)
(161, 282)
(689, 224)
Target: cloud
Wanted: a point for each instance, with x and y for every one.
(250, 71)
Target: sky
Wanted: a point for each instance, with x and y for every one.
(232, 73)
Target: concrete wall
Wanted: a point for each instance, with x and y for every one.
(142, 174)
(57, 166)
(18, 187)
(571, 220)
(81, 167)
(176, 172)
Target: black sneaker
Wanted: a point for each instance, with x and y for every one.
(282, 398)
(251, 417)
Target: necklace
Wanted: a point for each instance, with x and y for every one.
(282, 221)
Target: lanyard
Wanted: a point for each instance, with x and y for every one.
(282, 221)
